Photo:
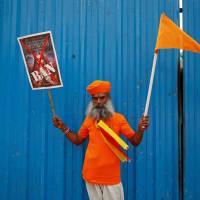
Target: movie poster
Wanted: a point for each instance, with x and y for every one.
(40, 60)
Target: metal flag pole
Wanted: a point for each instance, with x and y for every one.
(181, 130)
(151, 83)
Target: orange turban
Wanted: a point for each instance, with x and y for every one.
(98, 87)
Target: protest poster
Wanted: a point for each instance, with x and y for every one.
(40, 60)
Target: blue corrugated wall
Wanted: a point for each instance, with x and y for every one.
(192, 108)
(94, 39)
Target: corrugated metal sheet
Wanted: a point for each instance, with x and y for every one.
(99, 39)
(192, 99)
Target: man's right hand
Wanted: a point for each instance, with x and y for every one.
(74, 138)
(58, 123)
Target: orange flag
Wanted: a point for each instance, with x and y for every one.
(171, 36)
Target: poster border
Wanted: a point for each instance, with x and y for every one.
(58, 67)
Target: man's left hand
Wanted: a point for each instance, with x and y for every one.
(143, 124)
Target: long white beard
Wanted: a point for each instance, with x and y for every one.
(97, 113)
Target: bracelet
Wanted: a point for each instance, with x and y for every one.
(67, 131)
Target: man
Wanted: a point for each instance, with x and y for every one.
(101, 168)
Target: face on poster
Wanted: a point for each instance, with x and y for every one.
(40, 60)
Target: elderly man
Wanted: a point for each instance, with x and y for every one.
(101, 168)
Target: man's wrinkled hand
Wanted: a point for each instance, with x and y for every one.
(58, 123)
(143, 124)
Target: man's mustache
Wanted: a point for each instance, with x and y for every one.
(97, 111)
(99, 106)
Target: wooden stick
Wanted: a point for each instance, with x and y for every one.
(51, 102)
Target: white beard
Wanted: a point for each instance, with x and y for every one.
(97, 113)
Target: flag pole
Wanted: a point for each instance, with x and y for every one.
(51, 102)
(151, 83)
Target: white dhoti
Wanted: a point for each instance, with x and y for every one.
(105, 192)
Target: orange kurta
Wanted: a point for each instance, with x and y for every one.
(101, 165)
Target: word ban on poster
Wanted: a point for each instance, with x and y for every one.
(40, 60)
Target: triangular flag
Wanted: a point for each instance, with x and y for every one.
(171, 36)
(106, 128)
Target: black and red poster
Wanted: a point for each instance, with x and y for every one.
(40, 60)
